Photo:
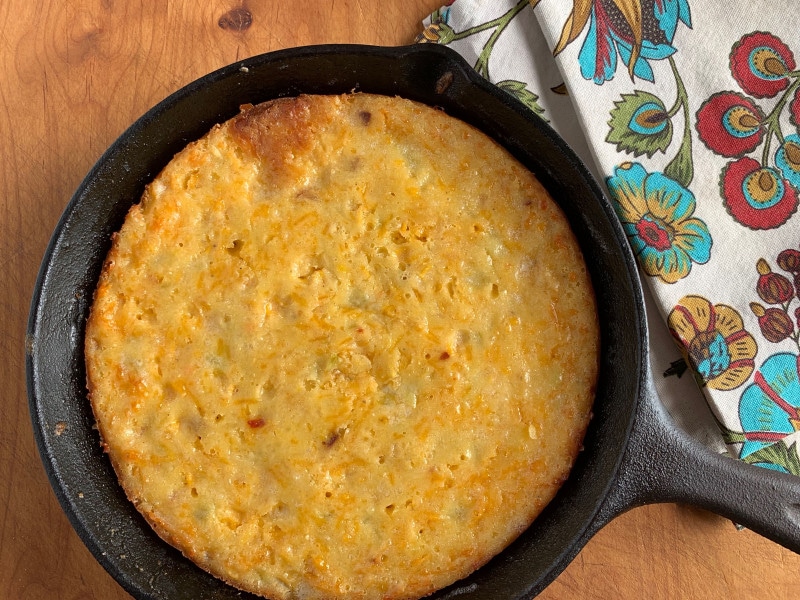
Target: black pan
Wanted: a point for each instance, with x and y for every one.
(633, 453)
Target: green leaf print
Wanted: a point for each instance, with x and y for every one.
(681, 167)
(640, 124)
(522, 93)
(778, 454)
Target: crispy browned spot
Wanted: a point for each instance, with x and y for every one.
(332, 438)
(278, 133)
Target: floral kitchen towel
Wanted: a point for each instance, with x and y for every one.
(689, 112)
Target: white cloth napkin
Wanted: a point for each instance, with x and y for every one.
(689, 113)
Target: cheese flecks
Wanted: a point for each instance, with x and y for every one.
(344, 347)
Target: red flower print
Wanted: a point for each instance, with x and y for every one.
(772, 288)
(774, 323)
(760, 63)
(654, 233)
(794, 109)
(789, 260)
(757, 196)
(730, 124)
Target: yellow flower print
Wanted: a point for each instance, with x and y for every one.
(713, 340)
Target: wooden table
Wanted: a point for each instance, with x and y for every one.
(73, 76)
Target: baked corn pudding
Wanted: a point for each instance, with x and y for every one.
(344, 347)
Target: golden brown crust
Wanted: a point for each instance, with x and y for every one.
(279, 133)
(345, 347)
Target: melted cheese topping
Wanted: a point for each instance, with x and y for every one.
(345, 347)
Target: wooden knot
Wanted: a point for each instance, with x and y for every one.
(236, 19)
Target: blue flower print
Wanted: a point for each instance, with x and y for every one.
(618, 28)
(656, 213)
(769, 408)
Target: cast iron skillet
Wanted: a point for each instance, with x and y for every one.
(633, 454)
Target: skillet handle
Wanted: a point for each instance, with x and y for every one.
(664, 464)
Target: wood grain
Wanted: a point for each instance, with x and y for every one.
(73, 76)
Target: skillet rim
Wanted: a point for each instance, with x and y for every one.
(446, 61)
